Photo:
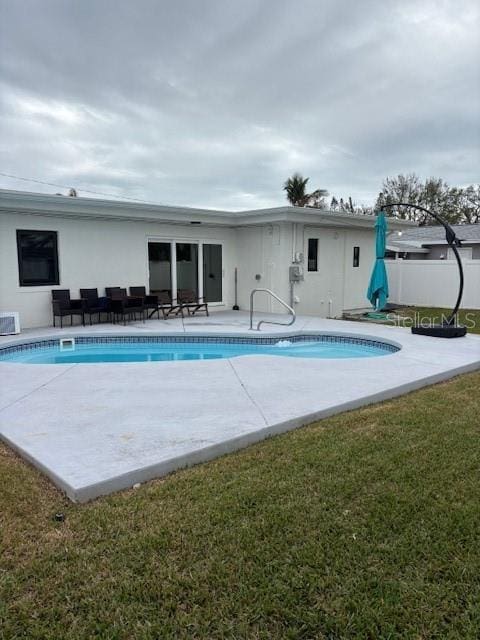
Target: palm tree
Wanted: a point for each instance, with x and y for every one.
(297, 194)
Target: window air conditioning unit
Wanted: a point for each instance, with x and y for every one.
(9, 323)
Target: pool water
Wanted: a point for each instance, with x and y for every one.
(327, 347)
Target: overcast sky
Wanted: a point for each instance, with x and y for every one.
(214, 103)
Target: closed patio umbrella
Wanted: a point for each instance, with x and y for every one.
(378, 288)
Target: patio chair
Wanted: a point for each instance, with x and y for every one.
(188, 299)
(93, 305)
(123, 305)
(150, 301)
(167, 305)
(63, 306)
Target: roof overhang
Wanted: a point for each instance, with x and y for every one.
(407, 248)
(22, 202)
(433, 243)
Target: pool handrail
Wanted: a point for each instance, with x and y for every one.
(274, 295)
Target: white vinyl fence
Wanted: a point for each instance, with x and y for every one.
(433, 283)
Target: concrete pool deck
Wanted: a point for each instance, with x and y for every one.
(98, 428)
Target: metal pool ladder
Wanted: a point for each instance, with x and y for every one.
(274, 295)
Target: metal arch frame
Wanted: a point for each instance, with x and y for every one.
(452, 241)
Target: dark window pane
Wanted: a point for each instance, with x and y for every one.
(159, 251)
(356, 256)
(159, 262)
(184, 252)
(187, 266)
(37, 258)
(312, 254)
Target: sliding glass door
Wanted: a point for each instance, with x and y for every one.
(197, 267)
(212, 272)
(160, 266)
(187, 266)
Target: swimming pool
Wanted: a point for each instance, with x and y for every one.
(117, 349)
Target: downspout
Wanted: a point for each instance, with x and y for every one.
(294, 240)
(294, 248)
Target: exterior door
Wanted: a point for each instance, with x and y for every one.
(212, 272)
(321, 292)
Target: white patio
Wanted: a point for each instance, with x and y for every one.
(97, 428)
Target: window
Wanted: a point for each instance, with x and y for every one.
(312, 264)
(356, 256)
(37, 258)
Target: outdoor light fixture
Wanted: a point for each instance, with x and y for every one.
(449, 328)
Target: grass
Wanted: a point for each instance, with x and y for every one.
(467, 317)
(366, 525)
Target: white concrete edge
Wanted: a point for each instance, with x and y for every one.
(27, 457)
(127, 480)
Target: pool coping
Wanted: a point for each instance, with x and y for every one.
(390, 346)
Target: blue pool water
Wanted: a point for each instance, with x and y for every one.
(123, 349)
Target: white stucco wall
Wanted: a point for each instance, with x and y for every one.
(269, 250)
(95, 253)
(263, 250)
(99, 253)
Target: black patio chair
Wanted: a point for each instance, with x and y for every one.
(124, 306)
(95, 305)
(188, 299)
(150, 301)
(63, 306)
(167, 305)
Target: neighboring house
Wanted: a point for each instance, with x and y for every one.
(52, 241)
(429, 243)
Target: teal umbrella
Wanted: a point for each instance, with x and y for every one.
(378, 288)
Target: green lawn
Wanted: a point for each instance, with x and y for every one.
(366, 525)
(468, 317)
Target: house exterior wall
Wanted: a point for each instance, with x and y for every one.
(417, 256)
(95, 253)
(433, 283)
(264, 251)
(437, 251)
(269, 252)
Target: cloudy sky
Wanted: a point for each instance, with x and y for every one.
(214, 103)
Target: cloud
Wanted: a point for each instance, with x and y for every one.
(216, 103)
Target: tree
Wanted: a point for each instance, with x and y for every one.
(347, 205)
(468, 203)
(403, 188)
(296, 189)
(456, 205)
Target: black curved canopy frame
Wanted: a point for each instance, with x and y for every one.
(452, 241)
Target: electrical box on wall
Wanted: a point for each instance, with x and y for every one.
(295, 273)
